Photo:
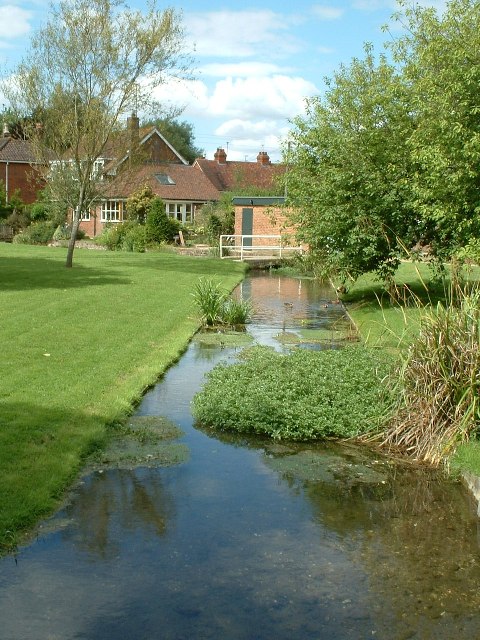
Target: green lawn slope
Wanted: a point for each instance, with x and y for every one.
(78, 347)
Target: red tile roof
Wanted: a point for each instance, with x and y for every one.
(13, 150)
(235, 175)
(189, 183)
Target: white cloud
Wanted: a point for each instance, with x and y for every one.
(261, 97)
(14, 21)
(276, 97)
(327, 12)
(241, 69)
(240, 34)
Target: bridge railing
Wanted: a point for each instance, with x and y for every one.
(244, 246)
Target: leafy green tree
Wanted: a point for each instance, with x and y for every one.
(139, 203)
(88, 66)
(440, 59)
(349, 171)
(159, 226)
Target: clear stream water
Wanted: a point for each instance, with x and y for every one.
(248, 539)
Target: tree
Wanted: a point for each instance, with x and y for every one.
(180, 135)
(349, 171)
(139, 203)
(89, 66)
(440, 59)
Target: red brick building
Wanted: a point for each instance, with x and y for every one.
(17, 169)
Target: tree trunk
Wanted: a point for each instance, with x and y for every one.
(73, 238)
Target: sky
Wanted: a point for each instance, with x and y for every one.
(255, 62)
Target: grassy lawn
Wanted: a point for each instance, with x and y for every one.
(79, 346)
(392, 326)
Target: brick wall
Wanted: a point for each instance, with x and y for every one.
(267, 220)
(23, 177)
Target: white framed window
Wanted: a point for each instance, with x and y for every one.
(97, 171)
(111, 211)
(85, 217)
(181, 211)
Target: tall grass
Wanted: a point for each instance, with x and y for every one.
(217, 307)
(438, 380)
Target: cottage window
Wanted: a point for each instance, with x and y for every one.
(111, 211)
(181, 211)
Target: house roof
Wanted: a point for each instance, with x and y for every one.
(258, 202)
(233, 175)
(169, 181)
(13, 150)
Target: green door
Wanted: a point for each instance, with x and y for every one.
(247, 225)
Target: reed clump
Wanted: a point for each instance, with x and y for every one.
(438, 382)
(217, 307)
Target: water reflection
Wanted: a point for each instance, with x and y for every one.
(250, 539)
(106, 504)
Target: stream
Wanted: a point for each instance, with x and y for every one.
(225, 537)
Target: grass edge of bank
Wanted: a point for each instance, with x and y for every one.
(391, 327)
(47, 359)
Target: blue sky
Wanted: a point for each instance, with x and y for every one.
(255, 62)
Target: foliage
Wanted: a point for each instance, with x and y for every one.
(180, 135)
(302, 396)
(139, 203)
(54, 413)
(209, 298)
(235, 312)
(348, 179)
(217, 218)
(445, 143)
(125, 236)
(90, 64)
(438, 383)
(388, 157)
(37, 233)
(217, 307)
(64, 232)
(160, 227)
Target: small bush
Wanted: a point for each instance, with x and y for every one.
(127, 236)
(36, 233)
(301, 396)
(134, 239)
(159, 226)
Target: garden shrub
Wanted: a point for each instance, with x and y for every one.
(126, 236)
(134, 238)
(159, 226)
(304, 395)
(37, 233)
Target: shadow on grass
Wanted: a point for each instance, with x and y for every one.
(23, 274)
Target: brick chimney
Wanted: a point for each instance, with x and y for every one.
(263, 158)
(133, 128)
(220, 156)
(6, 132)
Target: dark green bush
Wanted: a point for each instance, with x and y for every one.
(36, 233)
(127, 236)
(301, 396)
(159, 226)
